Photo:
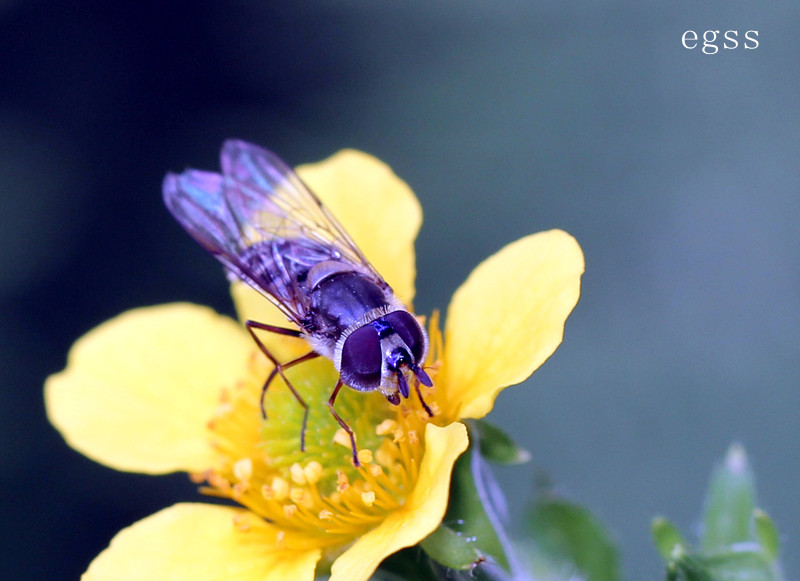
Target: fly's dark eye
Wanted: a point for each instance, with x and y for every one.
(361, 359)
(405, 325)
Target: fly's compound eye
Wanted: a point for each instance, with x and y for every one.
(409, 330)
(361, 359)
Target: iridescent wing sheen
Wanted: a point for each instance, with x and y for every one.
(262, 222)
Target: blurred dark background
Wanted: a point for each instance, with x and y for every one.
(677, 171)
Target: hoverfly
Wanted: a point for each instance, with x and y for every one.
(268, 229)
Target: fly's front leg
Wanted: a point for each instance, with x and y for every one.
(278, 368)
(342, 423)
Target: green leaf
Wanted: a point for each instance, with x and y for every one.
(729, 503)
(472, 511)
(451, 549)
(767, 534)
(668, 540)
(570, 533)
(497, 446)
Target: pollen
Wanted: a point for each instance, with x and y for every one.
(368, 498)
(278, 489)
(386, 427)
(298, 474)
(243, 470)
(301, 497)
(313, 472)
(365, 456)
(342, 482)
(341, 438)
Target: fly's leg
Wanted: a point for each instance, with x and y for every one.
(422, 401)
(279, 368)
(342, 423)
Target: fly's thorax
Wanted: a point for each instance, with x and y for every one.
(341, 296)
(374, 352)
(324, 270)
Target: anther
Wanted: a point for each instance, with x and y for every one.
(297, 473)
(313, 472)
(243, 470)
(365, 456)
(386, 427)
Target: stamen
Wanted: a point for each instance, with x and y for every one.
(342, 483)
(313, 472)
(242, 522)
(386, 427)
(280, 488)
(319, 492)
(199, 477)
(297, 473)
(341, 438)
(423, 415)
(243, 470)
(300, 496)
(384, 457)
(218, 482)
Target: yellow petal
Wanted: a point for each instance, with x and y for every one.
(422, 513)
(201, 542)
(139, 389)
(377, 208)
(507, 319)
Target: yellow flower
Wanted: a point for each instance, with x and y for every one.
(176, 388)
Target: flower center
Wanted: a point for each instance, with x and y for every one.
(319, 491)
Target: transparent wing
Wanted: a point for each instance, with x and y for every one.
(262, 222)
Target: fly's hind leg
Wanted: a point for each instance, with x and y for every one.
(279, 368)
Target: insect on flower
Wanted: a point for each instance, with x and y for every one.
(269, 230)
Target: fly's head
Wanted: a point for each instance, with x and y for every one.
(385, 354)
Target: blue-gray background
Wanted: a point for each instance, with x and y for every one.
(677, 171)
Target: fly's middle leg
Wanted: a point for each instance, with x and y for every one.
(279, 368)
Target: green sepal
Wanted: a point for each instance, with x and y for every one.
(451, 549)
(687, 567)
(497, 446)
(472, 512)
(668, 540)
(569, 533)
(730, 502)
(740, 565)
(410, 563)
(767, 534)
